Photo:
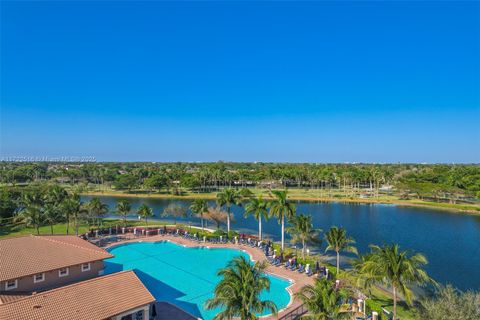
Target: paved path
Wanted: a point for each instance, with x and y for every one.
(299, 280)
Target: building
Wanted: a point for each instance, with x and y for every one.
(118, 296)
(36, 263)
(61, 277)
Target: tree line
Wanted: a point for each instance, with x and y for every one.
(439, 182)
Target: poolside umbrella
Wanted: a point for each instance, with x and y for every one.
(317, 267)
(281, 257)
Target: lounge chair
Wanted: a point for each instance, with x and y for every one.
(308, 270)
(301, 269)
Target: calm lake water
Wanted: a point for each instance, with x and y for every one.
(450, 241)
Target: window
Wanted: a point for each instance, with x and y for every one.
(85, 267)
(63, 272)
(139, 315)
(39, 277)
(11, 284)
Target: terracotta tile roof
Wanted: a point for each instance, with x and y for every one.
(24, 256)
(98, 298)
(6, 297)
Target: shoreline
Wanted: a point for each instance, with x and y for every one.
(405, 203)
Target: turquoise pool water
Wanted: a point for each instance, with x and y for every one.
(185, 277)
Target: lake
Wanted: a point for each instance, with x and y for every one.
(450, 241)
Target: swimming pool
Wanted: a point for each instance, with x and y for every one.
(183, 276)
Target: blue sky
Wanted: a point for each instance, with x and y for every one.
(251, 81)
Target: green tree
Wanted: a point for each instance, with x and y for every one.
(74, 208)
(51, 215)
(302, 231)
(238, 292)
(157, 181)
(259, 209)
(282, 208)
(97, 209)
(323, 301)
(126, 181)
(31, 213)
(398, 269)
(228, 197)
(145, 212)
(338, 241)
(199, 207)
(123, 209)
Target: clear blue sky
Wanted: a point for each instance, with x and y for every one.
(269, 81)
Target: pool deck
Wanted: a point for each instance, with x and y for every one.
(298, 280)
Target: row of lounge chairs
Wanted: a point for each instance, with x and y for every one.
(292, 265)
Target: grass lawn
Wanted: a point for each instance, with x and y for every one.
(61, 228)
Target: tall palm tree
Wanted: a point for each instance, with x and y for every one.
(123, 209)
(397, 269)
(74, 208)
(259, 209)
(238, 293)
(338, 241)
(302, 231)
(323, 301)
(199, 207)
(56, 195)
(31, 213)
(281, 208)
(145, 212)
(51, 214)
(227, 198)
(97, 209)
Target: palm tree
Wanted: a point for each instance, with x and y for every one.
(338, 241)
(259, 209)
(52, 209)
(97, 209)
(227, 198)
(238, 293)
(199, 207)
(123, 209)
(145, 212)
(56, 195)
(51, 214)
(302, 231)
(399, 270)
(31, 213)
(75, 208)
(323, 301)
(281, 208)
